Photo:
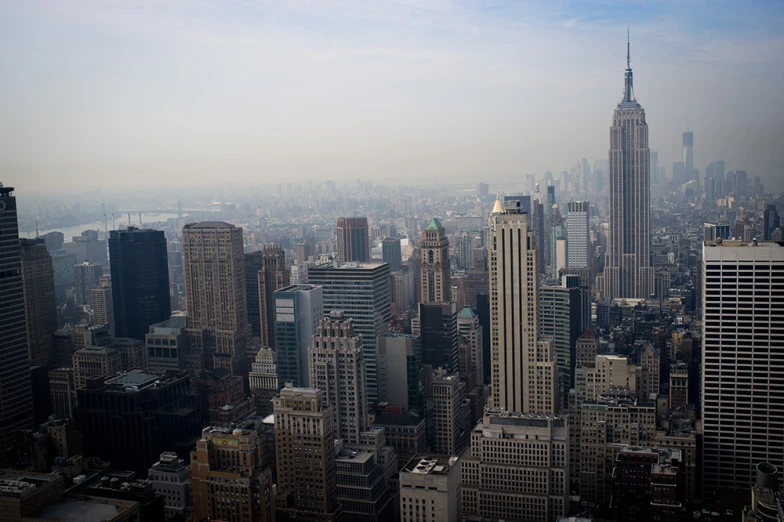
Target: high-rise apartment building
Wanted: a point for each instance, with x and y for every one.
(229, 478)
(337, 368)
(524, 370)
(353, 240)
(270, 274)
(40, 300)
(16, 399)
(305, 456)
(531, 453)
(435, 266)
(628, 272)
(578, 221)
(298, 310)
(88, 276)
(430, 489)
(743, 361)
(218, 332)
(140, 280)
(362, 293)
(391, 253)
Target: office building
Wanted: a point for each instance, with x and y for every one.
(87, 248)
(430, 489)
(435, 276)
(62, 392)
(586, 348)
(436, 326)
(223, 398)
(337, 368)
(403, 293)
(471, 344)
(559, 321)
(353, 240)
(530, 452)
(116, 412)
(103, 307)
(229, 479)
(482, 190)
(362, 293)
(305, 456)
(140, 280)
(64, 274)
(404, 433)
(645, 484)
(88, 276)
(399, 365)
(628, 272)
(16, 400)
(450, 414)
(523, 373)
(169, 478)
(391, 253)
(688, 157)
(218, 332)
(40, 300)
(298, 310)
(679, 386)
(263, 380)
(165, 344)
(268, 274)
(770, 222)
(464, 251)
(578, 221)
(743, 357)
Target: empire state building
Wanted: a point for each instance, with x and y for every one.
(628, 272)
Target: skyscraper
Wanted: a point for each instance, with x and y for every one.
(88, 276)
(688, 156)
(218, 331)
(628, 272)
(578, 222)
(140, 280)
(337, 367)
(305, 456)
(353, 240)
(271, 275)
(436, 272)
(229, 478)
(770, 221)
(743, 361)
(103, 307)
(298, 310)
(390, 253)
(523, 370)
(40, 300)
(362, 293)
(16, 399)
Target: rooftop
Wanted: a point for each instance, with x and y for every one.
(430, 465)
(434, 224)
(466, 313)
(209, 224)
(83, 509)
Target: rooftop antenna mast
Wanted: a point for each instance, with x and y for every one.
(36, 228)
(628, 50)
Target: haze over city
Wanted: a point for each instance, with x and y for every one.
(134, 94)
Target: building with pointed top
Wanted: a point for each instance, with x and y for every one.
(436, 270)
(628, 272)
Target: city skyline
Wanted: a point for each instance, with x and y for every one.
(452, 99)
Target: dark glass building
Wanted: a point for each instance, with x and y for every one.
(140, 280)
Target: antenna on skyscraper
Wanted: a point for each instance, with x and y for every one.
(628, 50)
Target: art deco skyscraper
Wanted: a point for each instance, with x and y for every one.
(16, 399)
(140, 280)
(524, 373)
(436, 272)
(628, 272)
(743, 361)
(40, 300)
(218, 331)
(337, 367)
(353, 240)
(269, 274)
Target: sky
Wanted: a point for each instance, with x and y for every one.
(121, 93)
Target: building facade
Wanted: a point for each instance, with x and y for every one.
(40, 300)
(353, 240)
(578, 233)
(430, 489)
(436, 270)
(298, 310)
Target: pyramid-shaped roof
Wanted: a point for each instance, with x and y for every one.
(466, 313)
(497, 208)
(434, 224)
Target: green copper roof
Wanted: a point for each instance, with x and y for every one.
(466, 313)
(434, 224)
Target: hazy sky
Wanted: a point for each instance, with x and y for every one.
(120, 92)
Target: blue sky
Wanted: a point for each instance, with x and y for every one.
(141, 92)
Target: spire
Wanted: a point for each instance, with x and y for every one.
(498, 208)
(628, 92)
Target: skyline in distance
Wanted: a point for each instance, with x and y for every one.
(181, 93)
